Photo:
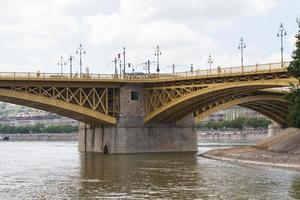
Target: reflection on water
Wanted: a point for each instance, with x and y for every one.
(141, 175)
(296, 188)
(55, 170)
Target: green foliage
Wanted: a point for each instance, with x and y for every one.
(37, 128)
(238, 123)
(294, 107)
(294, 68)
(294, 96)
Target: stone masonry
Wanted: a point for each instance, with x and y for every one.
(131, 135)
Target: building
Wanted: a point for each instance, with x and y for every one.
(233, 113)
(15, 115)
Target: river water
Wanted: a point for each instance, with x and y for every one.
(55, 170)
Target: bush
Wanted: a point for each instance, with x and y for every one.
(238, 123)
(38, 128)
(294, 96)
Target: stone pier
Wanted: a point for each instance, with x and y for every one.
(274, 129)
(132, 135)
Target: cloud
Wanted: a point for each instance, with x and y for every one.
(175, 9)
(40, 31)
(173, 24)
(36, 18)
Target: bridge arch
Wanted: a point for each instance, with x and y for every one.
(272, 106)
(57, 106)
(186, 104)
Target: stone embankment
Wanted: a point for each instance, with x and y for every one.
(281, 150)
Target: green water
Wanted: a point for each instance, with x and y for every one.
(55, 170)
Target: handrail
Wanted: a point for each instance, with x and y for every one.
(217, 72)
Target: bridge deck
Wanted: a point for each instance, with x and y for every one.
(147, 78)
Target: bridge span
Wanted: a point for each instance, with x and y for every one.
(148, 112)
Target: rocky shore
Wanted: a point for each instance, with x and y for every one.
(281, 150)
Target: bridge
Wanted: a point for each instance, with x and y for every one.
(149, 112)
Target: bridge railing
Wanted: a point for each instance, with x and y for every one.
(235, 70)
(261, 68)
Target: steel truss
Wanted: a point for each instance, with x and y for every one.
(102, 100)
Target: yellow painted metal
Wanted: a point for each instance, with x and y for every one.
(165, 94)
(59, 102)
(158, 103)
(260, 100)
(147, 78)
(281, 120)
(92, 98)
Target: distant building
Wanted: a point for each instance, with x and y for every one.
(16, 115)
(233, 113)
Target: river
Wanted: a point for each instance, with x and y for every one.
(55, 170)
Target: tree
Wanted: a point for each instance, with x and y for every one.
(294, 96)
(238, 123)
(294, 67)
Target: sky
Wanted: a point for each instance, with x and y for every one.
(34, 34)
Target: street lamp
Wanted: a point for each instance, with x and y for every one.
(124, 63)
(132, 67)
(210, 62)
(147, 65)
(71, 58)
(281, 32)
(119, 58)
(80, 51)
(61, 63)
(157, 54)
(115, 64)
(242, 46)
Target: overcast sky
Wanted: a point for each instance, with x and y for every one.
(35, 33)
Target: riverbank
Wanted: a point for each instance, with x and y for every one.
(43, 137)
(281, 150)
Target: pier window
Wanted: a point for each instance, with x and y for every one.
(134, 96)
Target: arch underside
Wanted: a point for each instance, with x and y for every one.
(269, 104)
(60, 107)
(217, 94)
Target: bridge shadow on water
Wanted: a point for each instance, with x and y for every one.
(296, 188)
(181, 176)
(139, 175)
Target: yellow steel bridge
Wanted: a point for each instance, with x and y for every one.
(95, 98)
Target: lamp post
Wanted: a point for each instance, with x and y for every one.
(148, 66)
(61, 63)
(242, 46)
(281, 33)
(115, 64)
(210, 62)
(192, 68)
(157, 54)
(124, 63)
(80, 51)
(120, 61)
(71, 64)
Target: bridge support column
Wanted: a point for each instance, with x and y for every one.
(131, 135)
(160, 138)
(274, 129)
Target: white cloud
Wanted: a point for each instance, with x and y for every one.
(33, 43)
(174, 25)
(37, 18)
(39, 31)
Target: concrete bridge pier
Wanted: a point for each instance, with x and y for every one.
(158, 138)
(274, 129)
(132, 135)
